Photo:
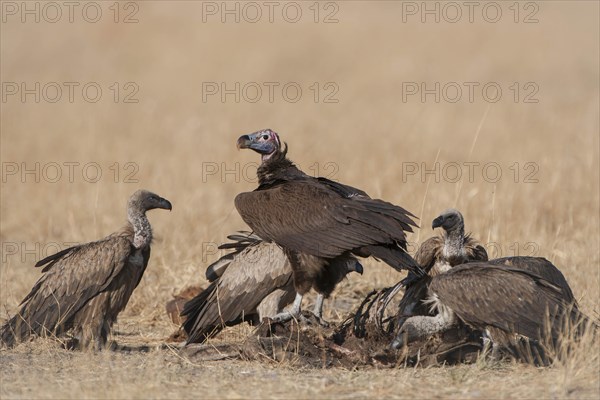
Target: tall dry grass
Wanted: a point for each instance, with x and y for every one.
(369, 139)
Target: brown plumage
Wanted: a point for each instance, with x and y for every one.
(84, 288)
(500, 300)
(507, 299)
(437, 255)
(542, 267)
(318, 223)
(440, 253)
(253, 282)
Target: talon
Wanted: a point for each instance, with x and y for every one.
(321, 321)
(282, 317)
(324, 323)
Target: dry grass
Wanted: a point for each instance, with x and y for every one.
(171, 134)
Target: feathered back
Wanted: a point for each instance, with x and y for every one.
(70, 280)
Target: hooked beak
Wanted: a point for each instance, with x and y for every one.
(357, 267)
(165, 204)
(244, 142)
(436, 223)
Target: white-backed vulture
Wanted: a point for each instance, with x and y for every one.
(437, 255)
(253, 282)
(84, 288)
(501, 300)
(319, 223)
(450, 250)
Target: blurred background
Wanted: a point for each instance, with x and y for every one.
(492, 109)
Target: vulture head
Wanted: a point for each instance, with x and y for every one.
(143, 201)
(450, 220)
(354, 266)
(265, 142)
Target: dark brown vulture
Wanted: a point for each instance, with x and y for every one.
(319, 223)
(253, 282)
(84, 288)
(501, 300)
(440, 255)
(437, 255)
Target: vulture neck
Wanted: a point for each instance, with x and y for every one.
(142, 231)
(278, 168)
(454, 247)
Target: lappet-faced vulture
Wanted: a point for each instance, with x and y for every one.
(318, 223)
(249, 284)
(84, 288)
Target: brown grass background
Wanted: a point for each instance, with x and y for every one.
(172, 136)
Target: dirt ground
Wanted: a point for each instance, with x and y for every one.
(379, 109)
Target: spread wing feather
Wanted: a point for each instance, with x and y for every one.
(511, 299)
(307, 217)
(251, 275)
(241, 241)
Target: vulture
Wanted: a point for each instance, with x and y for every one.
(503, 298)
(251, 283)
(84, 288)
(437, 255)
(320, 224)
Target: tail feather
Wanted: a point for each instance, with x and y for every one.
(395, 257)
(17, 330)
(241, 241)
(193, 311)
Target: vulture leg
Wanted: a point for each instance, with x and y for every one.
(490, 344)
(487, 342)
(421, 327)
(318, 310)
(274, 302)
(294, 313)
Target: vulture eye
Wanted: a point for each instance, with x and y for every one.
(265, 137)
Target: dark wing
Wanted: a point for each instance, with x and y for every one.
(341, 189)
(71, 279)
(510, 299)
(475, 251)
(413, 301)
(252, 275)
(542, 267)
(241, 240)
(309, 217)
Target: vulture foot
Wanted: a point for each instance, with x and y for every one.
(319, 320)
(306, 318)
(285, 317)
